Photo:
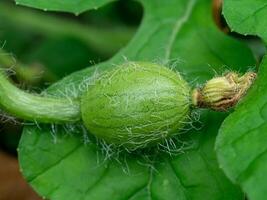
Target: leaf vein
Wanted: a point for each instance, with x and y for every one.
(177, 27)
(55, 163)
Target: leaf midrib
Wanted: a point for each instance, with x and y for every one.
(177, 27)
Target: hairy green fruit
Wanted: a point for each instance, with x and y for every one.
(136, 105)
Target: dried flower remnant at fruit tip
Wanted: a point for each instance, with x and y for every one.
(221, 93)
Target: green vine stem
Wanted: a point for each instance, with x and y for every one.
(107, 42)
(32, 74)
(36, 107)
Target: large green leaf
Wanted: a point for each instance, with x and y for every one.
(241, 143)
(247, 16)
(66, 5)
(59, 165)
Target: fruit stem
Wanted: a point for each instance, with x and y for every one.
(222, 93)
(36, 107)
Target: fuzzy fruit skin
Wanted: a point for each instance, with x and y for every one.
(135, 105)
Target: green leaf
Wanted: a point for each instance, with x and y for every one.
(241, 144)
(75, 7)
(247, 16)
(58, 164)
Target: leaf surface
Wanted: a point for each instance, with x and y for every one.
(241, 143)
(75, 7)
(247, 17)
(59, 165)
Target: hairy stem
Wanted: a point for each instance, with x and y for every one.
(105, 41)
(36, 107)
